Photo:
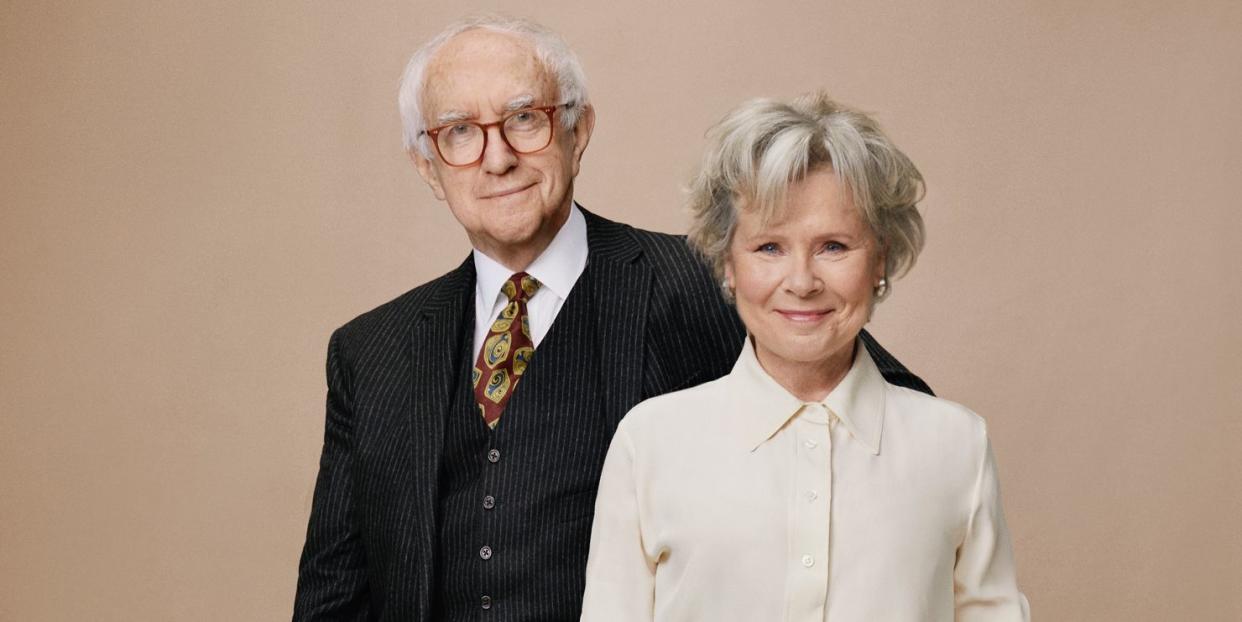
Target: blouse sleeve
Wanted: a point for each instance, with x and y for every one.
(620, 579)
(984, 582)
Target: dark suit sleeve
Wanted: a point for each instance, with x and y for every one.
(891, 368)
(332, 575)
(710, 323)
(693, 335)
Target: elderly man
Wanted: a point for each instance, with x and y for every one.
(444, 491)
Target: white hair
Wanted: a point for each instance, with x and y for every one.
(551, 50)
(765, 145)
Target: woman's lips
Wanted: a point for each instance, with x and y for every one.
(807, 316)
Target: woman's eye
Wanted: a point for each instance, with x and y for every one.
(769, 247)
(834, 247)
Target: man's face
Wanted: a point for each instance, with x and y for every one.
(510, 204)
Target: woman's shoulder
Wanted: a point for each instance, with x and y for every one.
(686, 408)
(948, 441)
(920, 411)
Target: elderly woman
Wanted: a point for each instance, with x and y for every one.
(802, 486)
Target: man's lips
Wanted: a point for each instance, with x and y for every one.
(507, 192)
(804, 315)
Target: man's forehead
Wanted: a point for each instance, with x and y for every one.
(482, 68)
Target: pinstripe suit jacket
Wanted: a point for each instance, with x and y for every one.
(370, 545)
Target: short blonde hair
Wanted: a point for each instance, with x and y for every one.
(765, 145)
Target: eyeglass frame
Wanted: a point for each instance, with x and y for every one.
(548, 110)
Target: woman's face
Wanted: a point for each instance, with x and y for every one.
(804, 282)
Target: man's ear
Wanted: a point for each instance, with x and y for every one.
(428, 172)
(582, 134)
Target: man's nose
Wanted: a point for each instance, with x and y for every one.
(498, 157)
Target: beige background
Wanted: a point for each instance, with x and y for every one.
(196, 193)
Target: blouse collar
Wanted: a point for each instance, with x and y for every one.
(767, 407)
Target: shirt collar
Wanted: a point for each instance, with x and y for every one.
(857, 401)
(557, 268)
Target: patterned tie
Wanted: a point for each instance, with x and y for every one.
(506, 352)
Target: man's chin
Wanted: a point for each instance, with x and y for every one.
(514, 236)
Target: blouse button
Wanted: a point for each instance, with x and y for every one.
(811, 495)
(808, 561)
(810, 444)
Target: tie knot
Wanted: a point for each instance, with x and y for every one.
(519, 287)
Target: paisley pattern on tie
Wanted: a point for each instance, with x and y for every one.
(506, 352)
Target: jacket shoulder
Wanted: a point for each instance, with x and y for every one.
(618, 240)
(667, 249)
(399, 313)
(679, 271)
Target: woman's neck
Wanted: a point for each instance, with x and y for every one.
(808, 381)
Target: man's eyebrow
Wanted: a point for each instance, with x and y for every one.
(451, 116)
(520, 102)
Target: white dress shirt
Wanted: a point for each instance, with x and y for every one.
(735, 500)
(557, 268)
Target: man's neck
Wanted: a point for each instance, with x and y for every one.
(516, 260)
(519, 258)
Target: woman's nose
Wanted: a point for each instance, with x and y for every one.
(802, 279)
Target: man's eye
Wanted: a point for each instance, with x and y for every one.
(460, 129)
(523, 120)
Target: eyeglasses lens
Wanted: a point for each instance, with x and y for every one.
(526, 131)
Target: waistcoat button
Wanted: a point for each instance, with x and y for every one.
(485, 552)
(493, 456)
(489, 502)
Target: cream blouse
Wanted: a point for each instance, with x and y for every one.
(735, 500)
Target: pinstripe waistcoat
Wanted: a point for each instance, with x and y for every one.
(371, 545)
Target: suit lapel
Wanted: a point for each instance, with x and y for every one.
(621, 286)
(434, 343)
